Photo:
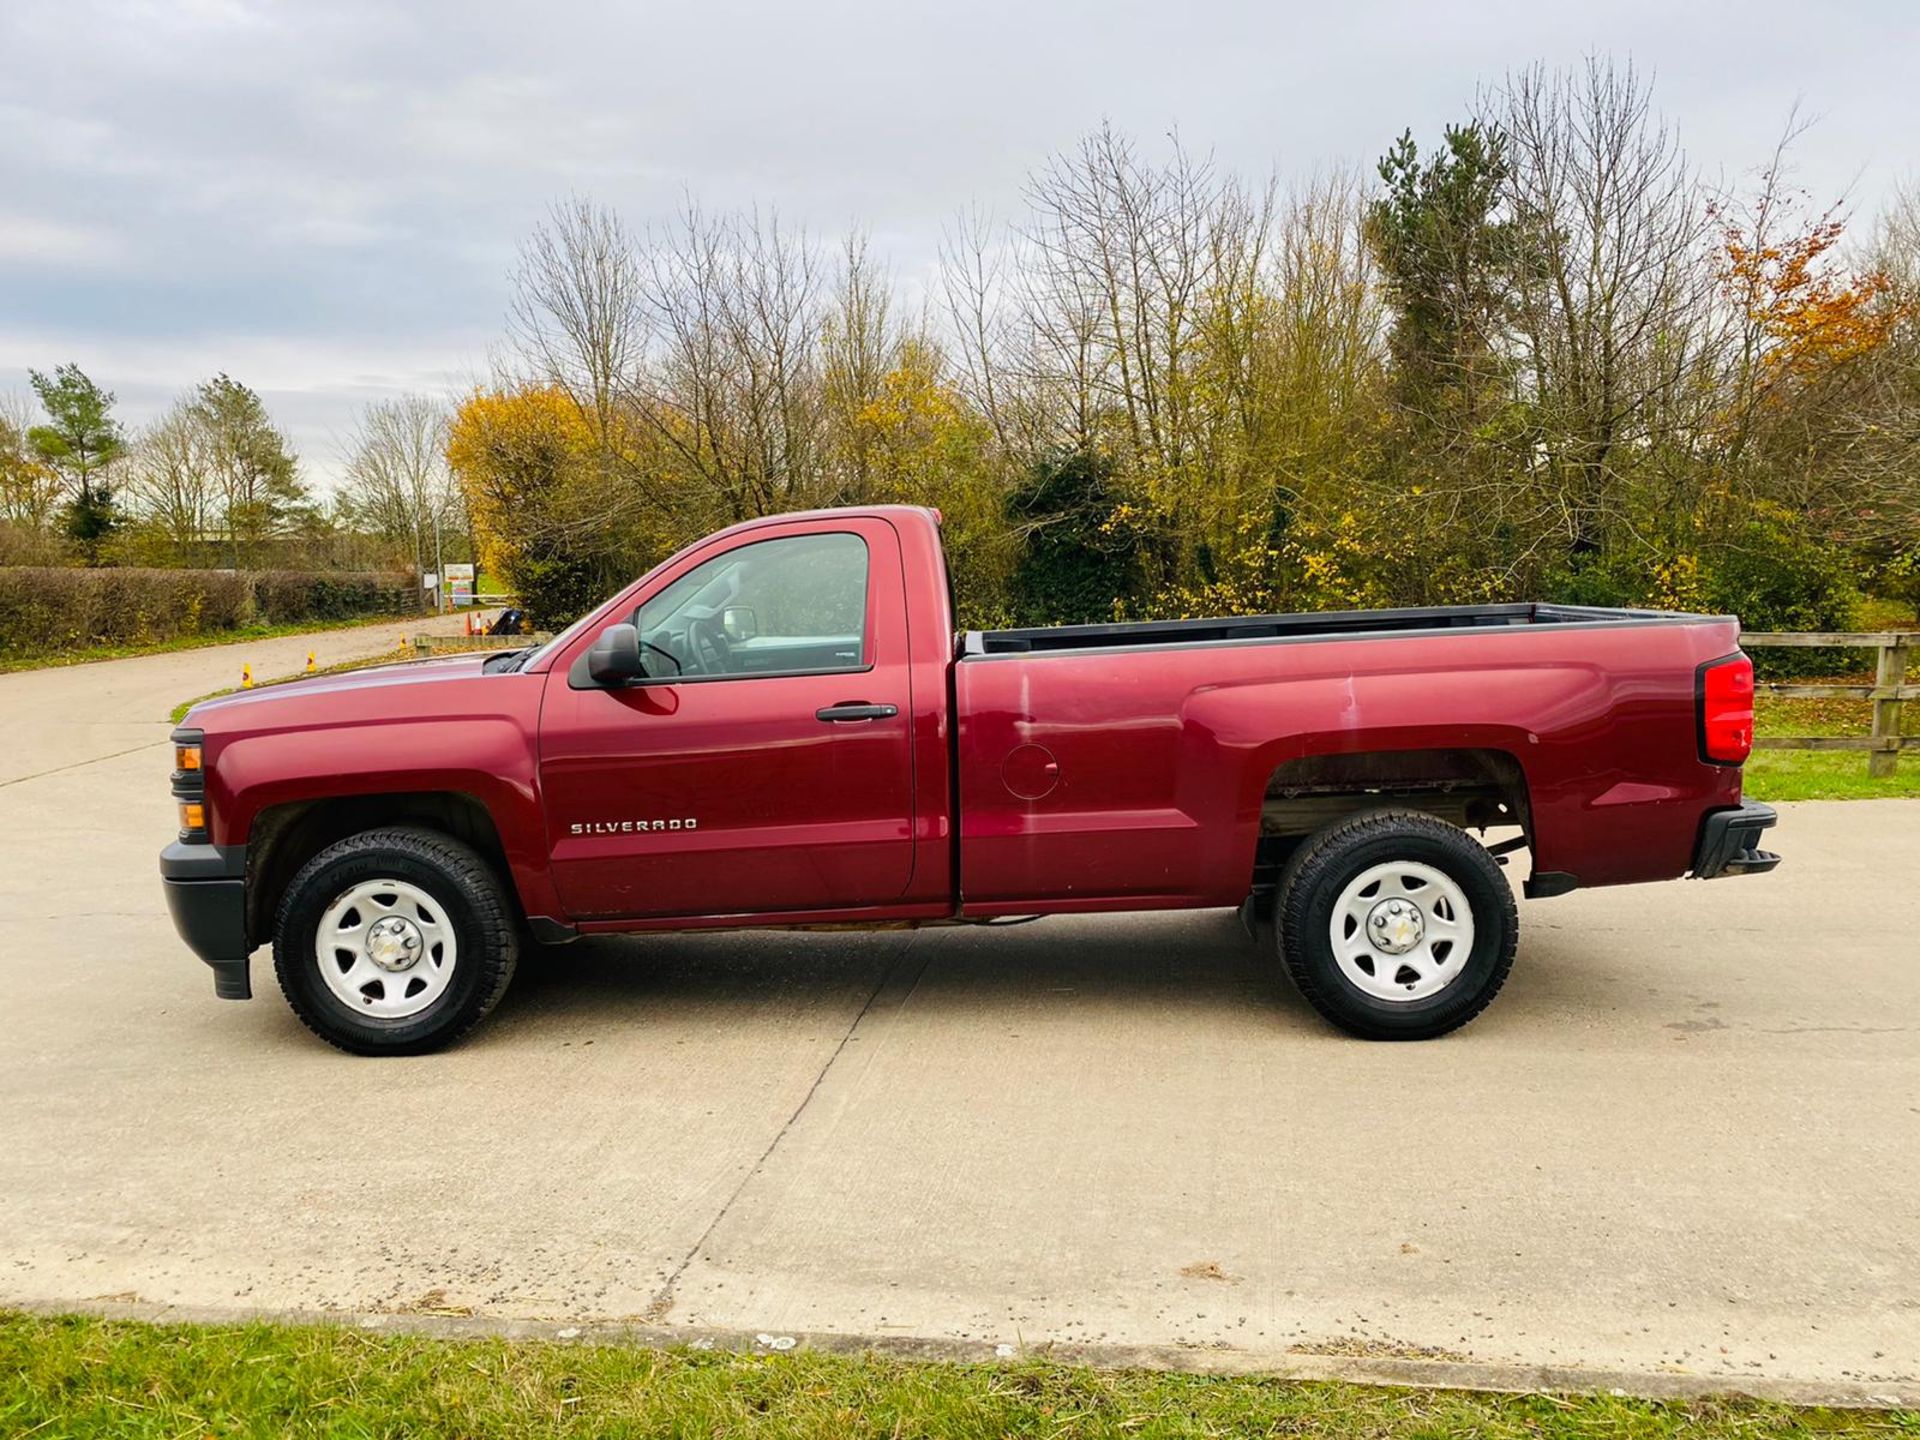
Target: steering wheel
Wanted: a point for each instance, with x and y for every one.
(711, 653)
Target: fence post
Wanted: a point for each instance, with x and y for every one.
(1890, 676)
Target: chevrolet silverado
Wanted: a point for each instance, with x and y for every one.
(778, 726)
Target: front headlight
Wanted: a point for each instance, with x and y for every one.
(190, 784)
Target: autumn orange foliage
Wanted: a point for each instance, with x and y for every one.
(1812, 314)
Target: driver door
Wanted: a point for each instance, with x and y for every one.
(772, 773)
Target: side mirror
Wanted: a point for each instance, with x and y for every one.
(615, 656)
(738, 622)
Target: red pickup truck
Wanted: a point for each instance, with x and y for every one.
(778, 726)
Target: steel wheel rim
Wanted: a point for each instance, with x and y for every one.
(1401, 931)
(386, 948)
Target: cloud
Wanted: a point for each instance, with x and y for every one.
(42, 243)
(308, 195)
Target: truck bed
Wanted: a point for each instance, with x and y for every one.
(1141, 764)
(1320, 625)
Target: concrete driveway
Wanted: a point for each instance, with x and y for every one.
(1686, 1137)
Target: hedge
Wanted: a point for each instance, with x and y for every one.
(46, 610)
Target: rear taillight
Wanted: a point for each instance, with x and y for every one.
(1726, 710)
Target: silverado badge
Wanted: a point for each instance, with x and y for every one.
(630, 827)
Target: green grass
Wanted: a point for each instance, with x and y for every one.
(1826, 775)
(87, 1377)
(88, 654)
(1809, 775)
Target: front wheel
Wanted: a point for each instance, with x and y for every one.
(1395, 925)
(395, 942)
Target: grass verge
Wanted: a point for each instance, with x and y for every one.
(84, 1377)
(1825, 774)
(1822, 775)
(86, 656)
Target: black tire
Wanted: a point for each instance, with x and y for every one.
(1327, 862)
(483, 917)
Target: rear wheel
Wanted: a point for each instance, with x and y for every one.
(1395, 925)
(395, 942)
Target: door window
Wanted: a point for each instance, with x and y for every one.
(793, 606)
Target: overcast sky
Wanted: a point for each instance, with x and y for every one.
(324, 197)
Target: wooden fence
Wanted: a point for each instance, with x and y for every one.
(1888, 693)
(456, 644)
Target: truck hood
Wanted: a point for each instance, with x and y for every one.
(409, 685)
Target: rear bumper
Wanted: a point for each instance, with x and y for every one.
(206, 889)
(1730, 842)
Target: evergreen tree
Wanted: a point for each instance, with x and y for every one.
(1445, 252)
(80, 442)
(261, 491)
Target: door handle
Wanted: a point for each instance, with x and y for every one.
(857, 710)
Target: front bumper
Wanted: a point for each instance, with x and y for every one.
(207, 896)
(1730, 842)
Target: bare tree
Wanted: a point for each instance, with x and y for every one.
(1122, 262)
(732, 391)
(578, 313)
(859, 346)
(1145, 294)
(171, 477)
(1314, 323)
(397, 480)
(1614, 301)
(30, 492)
(695, 349)
(975, 277)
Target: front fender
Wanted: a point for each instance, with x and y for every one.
(490, 759)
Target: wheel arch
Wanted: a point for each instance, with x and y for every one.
(284, 837)
(1478, 786)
